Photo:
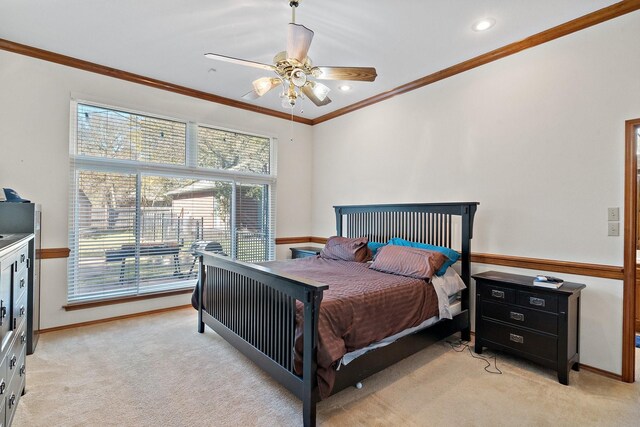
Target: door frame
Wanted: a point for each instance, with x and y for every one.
(630, 239)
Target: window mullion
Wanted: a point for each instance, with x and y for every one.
(234, 231)
(192, 145)
(137, 230)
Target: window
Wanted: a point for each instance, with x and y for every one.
(144, 189)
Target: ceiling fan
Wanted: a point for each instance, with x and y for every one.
(294, 69)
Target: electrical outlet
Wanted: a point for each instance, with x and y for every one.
(613, 214)
(614, 229)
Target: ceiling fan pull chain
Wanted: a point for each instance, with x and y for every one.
(291, 139)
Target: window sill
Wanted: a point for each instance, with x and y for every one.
(122, 300)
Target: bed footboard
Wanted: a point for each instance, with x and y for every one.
(254, 309)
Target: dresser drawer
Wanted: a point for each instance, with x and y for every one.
(20, 281)
(520, 316)
(523, 340)
(15, 357)
(20, 312)
(4, 380)
(497, 293)
(13, 395)
(21, 257)
(539, 301)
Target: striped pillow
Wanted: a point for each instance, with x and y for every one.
(408, 261)
(346, 249)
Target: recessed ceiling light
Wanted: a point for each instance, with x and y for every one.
(484, 24)
(344, 88)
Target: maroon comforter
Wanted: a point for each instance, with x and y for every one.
(360, 307)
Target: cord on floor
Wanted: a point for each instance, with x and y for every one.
(460, 346)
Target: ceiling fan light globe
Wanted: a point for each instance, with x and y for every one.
(320, 91)
(264, 85)
(298, 77)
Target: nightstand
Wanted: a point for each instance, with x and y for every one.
(304, 251)
(540, 324)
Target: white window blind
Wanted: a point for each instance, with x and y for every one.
(111, 134)
(137, 205)
(222, 149)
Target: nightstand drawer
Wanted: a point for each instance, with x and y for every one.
(497, 293)
(538, 301)
(532, 343)
(519, 316)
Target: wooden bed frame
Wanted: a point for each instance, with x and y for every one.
(253, 308)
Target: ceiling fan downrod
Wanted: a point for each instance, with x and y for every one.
(294, 5)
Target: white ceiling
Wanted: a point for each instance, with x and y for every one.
(166, 39)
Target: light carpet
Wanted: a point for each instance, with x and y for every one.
(157, 370)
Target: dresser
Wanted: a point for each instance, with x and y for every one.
(15, 265)
(26, 218)
(540, 324)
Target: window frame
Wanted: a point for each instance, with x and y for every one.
(188, 170)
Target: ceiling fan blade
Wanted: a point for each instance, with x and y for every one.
(251, 96)
(365, 74)
(298, 42)
(317, 93)
(240, 61)
(265, 84)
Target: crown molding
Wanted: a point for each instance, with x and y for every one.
(81, 64)
(599, 16)
(586, 21)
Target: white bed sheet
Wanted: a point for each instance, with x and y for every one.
(454, 308)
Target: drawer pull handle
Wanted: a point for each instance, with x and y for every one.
(516, 338)
(22, 283)
(3, 386)
(22, 311)
(536, 301)
(22, 258)
(23, 338)
(12, 362)
(12, 400)
(517, 316)
(497, 294)
(23, 370)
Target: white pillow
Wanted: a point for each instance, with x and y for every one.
(449, 284)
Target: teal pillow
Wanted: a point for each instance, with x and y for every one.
(452, 256)
(374, 246)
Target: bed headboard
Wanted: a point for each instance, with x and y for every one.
(444, 224)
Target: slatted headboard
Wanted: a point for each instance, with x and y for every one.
(432, 223)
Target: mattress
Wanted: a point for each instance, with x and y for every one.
(455, 308)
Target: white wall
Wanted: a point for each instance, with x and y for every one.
(34, 159)
(537, 138)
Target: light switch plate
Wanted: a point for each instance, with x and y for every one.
(613, 214)
(614, 229)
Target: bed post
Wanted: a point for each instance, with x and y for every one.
(338, 221)
(468, 211)
(200, 284)
(310, 358)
